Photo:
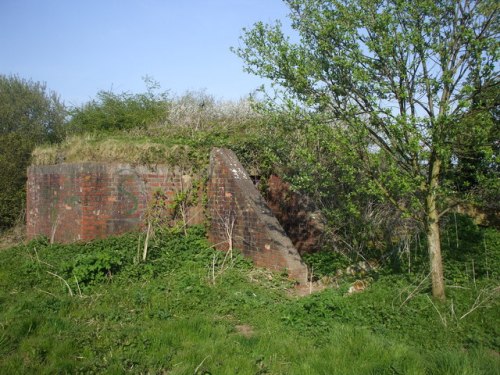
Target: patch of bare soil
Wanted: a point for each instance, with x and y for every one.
(244, 330)
(301, 290)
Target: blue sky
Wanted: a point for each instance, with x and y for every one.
(79, 47)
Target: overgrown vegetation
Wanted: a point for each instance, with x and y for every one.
(408, 84)
(93, 308)
(390, 182)
(314, 157)
(30, 115)
(154, 128)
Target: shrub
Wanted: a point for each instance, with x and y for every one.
(29, 115)
(325, 263)
(111, 112)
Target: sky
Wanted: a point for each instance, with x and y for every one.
(79, 47)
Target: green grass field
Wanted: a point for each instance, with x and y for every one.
(92, 308)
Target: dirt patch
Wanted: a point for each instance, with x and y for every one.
(494, 353)
(302, 290)
(245, 330)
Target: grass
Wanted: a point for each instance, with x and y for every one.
(115, 149)
(155, 144)
(169, 316)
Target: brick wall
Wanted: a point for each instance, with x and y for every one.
(302, 221)
(236, 206)
(71, 202)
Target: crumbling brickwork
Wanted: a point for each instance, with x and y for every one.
(302, 221)
(239, 214)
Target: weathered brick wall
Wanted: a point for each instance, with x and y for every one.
(71, 202)
(237, 208)
(302, 221)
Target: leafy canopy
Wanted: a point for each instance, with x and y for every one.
(402, 75)
(30, 114)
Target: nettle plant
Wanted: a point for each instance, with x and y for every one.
(93, 268)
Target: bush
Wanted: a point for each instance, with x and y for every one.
(111, 112)
(29, 115)
(15, 151)
(326, 263)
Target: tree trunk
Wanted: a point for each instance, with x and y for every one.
(436, 262)
(433, 237)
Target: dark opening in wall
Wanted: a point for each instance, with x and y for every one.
(255, 180)
(302, 221)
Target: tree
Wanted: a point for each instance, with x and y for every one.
(29, 115)
(476, 167)
(30, 109)
(400, 75)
